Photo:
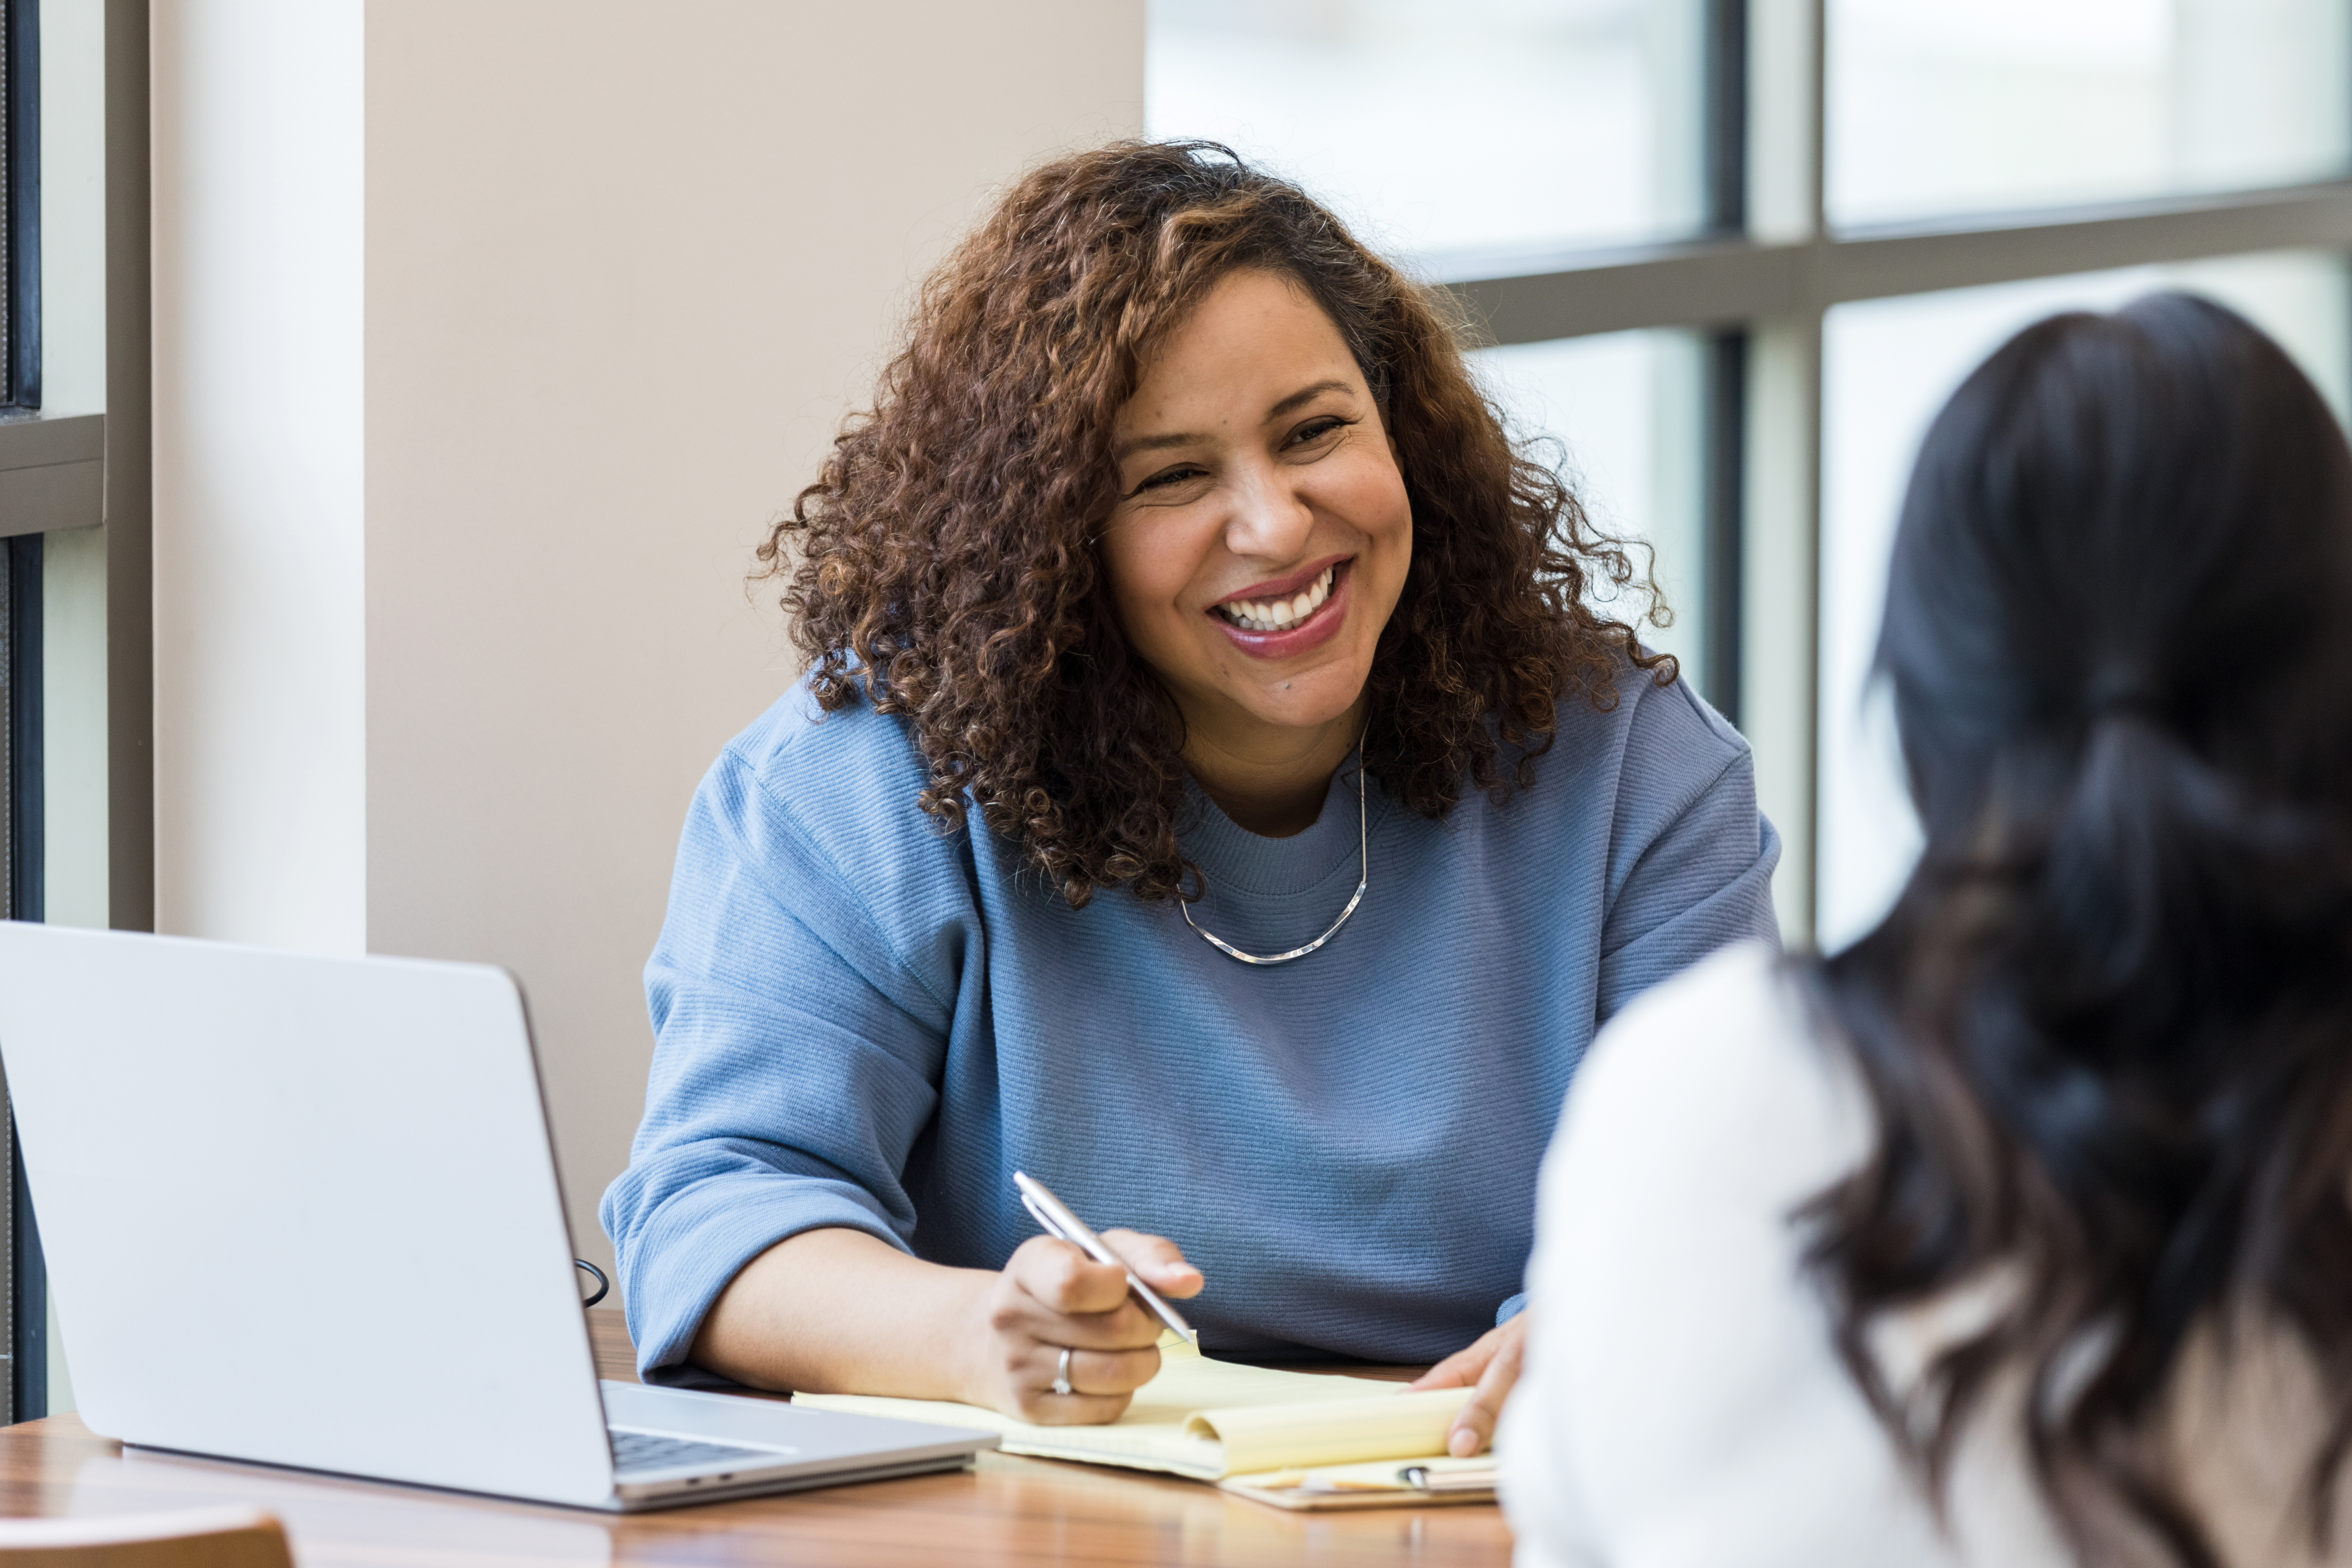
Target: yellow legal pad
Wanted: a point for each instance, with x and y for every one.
(1213, 1419)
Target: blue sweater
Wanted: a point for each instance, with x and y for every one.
(862, 1022)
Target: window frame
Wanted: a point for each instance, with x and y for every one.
(74, 482)
(1761, 287)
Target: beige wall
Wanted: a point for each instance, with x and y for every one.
(623, 269)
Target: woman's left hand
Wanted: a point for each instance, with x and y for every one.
(1492, 1364)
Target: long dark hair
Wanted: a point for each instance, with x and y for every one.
(943, 565)
(2107, 1027)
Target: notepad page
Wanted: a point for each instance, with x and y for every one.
(1204, 1418)
(1338, 1432)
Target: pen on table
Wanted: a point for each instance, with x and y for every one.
(1464, 1479)
(1055, 1216)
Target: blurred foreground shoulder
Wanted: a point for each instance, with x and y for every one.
(1716, 1075)
(1682, 1403)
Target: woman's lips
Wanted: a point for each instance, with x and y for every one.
(1302, 636)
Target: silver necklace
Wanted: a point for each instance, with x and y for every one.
(1363, 880)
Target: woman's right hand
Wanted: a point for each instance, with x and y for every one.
(1050, 1296)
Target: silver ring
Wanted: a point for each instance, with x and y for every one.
(1062, 1375)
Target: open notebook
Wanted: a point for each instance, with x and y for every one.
(1212, 1420)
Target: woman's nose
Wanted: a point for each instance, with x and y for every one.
(1270, 518)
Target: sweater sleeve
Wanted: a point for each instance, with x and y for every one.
(798, 1051)
(1693, 859)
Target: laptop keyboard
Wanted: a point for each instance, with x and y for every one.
(654, 1451)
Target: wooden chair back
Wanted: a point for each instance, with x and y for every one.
(196, 1538)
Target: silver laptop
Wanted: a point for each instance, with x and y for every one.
(303, 1211)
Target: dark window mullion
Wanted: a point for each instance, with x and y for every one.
(7, 906)
(1724, 496)
(28, 1284)
(1724, 378)
(23, 199)
(1723, 117)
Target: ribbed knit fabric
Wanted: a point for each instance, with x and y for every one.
(863, 1022)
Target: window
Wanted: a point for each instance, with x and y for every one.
(1888, 365)
(1623, 409)
(2002, 104)
(23, 1302)
(1797, 196)
(1439, 129)
(75, 657)
(20, 204)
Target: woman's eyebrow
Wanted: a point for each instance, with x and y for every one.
(1126, 450)
(1305, 395)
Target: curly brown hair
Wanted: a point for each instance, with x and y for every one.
(944, 566)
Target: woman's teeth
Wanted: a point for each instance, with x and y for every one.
(1278, 615)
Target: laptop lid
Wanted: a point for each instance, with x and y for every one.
(302, 1210)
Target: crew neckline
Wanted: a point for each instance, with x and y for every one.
(1232, 857)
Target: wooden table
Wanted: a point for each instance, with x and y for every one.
(1006, 1510)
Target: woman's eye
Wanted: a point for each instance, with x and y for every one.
(1315, 430)
(1167, 477)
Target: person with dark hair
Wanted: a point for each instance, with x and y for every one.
(2021, 1231)
(1213, 792)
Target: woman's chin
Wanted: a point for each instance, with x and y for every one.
(1310, 702)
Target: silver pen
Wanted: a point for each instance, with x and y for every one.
(1055, 1215)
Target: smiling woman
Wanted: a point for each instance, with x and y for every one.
(1180, 567)
(1270, 675)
